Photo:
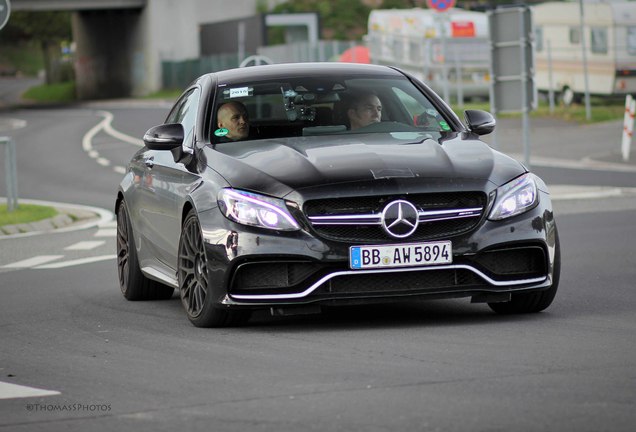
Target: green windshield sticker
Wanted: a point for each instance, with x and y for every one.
(221, 132)
(444, 125)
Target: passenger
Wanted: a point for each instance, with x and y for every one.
(232, 121)
(364, 110)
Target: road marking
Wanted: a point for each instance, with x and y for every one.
(32, 262)
(76, 262)
(109, 232)
(105, 125)
(111, 224)
(85, 245)
(12, 391)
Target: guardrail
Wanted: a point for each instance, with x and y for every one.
(11, 172)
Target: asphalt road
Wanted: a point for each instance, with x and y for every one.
(427, 366)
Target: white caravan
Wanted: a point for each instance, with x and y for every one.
(413, 39)
(610, 41)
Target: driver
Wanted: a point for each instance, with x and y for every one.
(233, 120)
(364, 110)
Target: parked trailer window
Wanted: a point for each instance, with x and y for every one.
(631, 40)
(575, 36)
(538, 35)
(598, 36)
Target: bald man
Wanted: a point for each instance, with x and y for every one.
(233, 117)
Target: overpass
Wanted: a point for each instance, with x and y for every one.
(120, 43)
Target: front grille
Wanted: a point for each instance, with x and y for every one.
(373, 206)
(401, 282)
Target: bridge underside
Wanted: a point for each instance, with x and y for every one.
(75, 5)
(107, 61)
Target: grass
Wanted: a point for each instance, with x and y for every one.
(25, 213)
(165, 94)
(62, 92)
(601, 110)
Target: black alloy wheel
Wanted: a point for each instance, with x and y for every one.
(133, 283)
(194, 281)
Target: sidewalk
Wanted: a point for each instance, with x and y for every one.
(558, 140)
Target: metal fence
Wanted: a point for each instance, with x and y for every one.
(178, 74)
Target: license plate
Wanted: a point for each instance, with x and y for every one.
(402, 255)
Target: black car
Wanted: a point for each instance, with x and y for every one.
(304, 210)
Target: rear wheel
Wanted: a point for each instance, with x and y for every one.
(133, 283)
(537, 301)
(194, 281)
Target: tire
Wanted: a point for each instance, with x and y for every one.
(537, 301)
(194, 281)
(133, 283)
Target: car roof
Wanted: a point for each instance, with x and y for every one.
(295, 70)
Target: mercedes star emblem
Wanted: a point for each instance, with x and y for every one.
(399, 219)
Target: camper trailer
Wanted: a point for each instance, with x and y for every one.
(609, 34)
(417, 39)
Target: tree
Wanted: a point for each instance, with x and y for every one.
(340, 19)
(48, 29)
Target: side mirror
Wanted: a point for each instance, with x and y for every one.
(480, 122)
(164, 137)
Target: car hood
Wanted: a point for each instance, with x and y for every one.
(279, 166)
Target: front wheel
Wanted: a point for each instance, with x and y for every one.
(194, 281)
(537, 301)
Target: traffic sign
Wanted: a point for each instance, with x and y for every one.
(5, 11)
(440, 5)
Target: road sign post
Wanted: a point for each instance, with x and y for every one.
(5, 11)
(443, 6)
(512, 66)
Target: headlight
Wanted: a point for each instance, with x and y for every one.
(248, 208)
(515, 197)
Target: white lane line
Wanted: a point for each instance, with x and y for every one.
(105, 125)
(111, 224)
(121, 136)
(76, 262)
(32, 262)
(108, 232)
(12, 391)
(85, 245)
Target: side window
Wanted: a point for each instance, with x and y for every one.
(598, 36)
(185, 112)
(538, 37)
(424, 116)
(575, 36)
(631, 40)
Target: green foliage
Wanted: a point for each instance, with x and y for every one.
(339, 19)
(37, 26)
(21, 57)
(60, 92)
(25, 213)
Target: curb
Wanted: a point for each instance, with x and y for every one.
(71, 217)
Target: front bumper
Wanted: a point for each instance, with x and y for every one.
(255, 268)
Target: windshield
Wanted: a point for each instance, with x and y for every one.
(312, 106)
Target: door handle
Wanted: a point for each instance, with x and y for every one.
(150, 162)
